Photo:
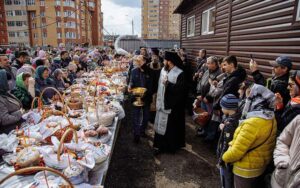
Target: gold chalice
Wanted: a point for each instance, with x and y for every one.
(138, 92)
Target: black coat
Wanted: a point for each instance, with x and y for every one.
(17, 64)
(139, 78)
(286, 115)
(231, 85)
(174, 137)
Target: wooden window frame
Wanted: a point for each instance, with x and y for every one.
(296, 16)
(208, 19)
(187, 26)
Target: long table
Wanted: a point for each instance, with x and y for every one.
(96, 176)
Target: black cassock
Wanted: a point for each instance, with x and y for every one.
(174, 99)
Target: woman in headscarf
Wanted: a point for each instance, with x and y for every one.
(285, 114)
(252, 146)
(43, 81)
(21, 90)
(10, 107)
(59, 83)
(72, 67)
(56, 64)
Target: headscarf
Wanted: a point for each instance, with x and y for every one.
(76, 58)
(27, 69)
(20, 82)
(72, 66)
(57, 72)
(39, 72)
(259, 103)
(4, 87)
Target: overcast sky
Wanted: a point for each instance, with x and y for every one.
(118, 15)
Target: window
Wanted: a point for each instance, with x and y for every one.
(19, 23)
(58, 24)
(30, 2)
(69, 3)
(59, 35)
(35, 35)
(32, 14)
(8, 2)
(57, 13)
(298, 12)
(71, 35)
(57, 2)
(91, 4)
(11, 34)
(70, 25)
(208, 21)
(69, 14)
(44, 35)
(10, 23)
(17, 2)
(42, 2)
(191, 26)
(33, 25)
(20, 12)
(9, 13)
(42, 14)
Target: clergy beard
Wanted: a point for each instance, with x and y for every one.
(167, 67)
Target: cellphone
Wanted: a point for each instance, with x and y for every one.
(251, 58)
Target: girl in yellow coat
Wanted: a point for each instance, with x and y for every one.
(253, 143)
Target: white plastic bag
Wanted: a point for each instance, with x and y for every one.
(8, 142)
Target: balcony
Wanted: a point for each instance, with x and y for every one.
(30, 5)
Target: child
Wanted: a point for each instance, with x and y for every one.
(230, 121)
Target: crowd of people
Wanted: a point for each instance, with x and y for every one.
(244, 114)
(25, 73)
(245, 117)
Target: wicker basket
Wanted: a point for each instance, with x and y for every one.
(40, 103)
(25, 171)
(59, 133)
(75, 105)
(61, 98)
(63, 139)
(200, 117)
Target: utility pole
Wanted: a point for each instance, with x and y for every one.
(132, 23)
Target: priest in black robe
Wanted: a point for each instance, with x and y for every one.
(170, 115)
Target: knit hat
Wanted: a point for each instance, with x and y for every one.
(229, 102)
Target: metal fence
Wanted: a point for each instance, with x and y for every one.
(134, 44)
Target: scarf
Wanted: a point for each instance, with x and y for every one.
(39, 72)
(20, 82)
(259, 103)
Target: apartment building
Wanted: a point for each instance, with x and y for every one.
(45, 22)
(158, 20)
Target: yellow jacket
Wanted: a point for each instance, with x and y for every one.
(250, 134)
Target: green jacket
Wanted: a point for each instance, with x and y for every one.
(24, 96)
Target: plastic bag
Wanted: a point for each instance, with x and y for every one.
(8, 142)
